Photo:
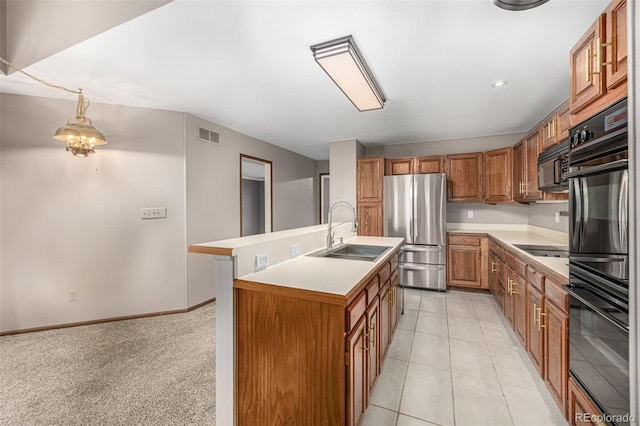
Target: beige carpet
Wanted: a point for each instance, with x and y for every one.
(151, 371)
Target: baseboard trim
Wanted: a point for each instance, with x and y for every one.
(100, 321)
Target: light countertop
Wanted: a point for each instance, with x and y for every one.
(531, 236)
(323, 274)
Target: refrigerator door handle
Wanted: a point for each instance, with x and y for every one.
(423, 248)
(422, 267)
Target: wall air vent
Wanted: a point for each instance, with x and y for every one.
(206, 135)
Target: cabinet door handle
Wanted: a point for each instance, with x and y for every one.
(366, 340)
(372, 334)
(494, 266)
(536, 319)
(540, 314)
(509, 283)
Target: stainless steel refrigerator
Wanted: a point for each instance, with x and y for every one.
(415, 207)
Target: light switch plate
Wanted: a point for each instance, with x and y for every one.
(470, 214)
(153, 213)
(294, 250)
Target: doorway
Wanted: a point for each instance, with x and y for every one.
(325, 196)
(256, 208)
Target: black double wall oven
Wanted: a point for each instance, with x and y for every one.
(599, 261)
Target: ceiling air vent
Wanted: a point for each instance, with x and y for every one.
(206, 135)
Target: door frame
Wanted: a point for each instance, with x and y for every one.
(267, 200)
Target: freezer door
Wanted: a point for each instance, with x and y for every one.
(418, 275)
(398, 207)
(424, 254)
(430, 210)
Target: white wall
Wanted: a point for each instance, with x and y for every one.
(343, 165)
(70, 222)
(74, 223)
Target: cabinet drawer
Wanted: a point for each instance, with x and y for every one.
(372, 289)
(494, 247)
(464, 240)
(394, 262)
(535, 278)
(384, 273)
(556, 295)
(518, 266)
(355, 310)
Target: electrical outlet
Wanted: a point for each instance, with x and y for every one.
(73, 295)
(262, 260)
(470, 214)
(153, 213)
(294, 250)
(557, 217)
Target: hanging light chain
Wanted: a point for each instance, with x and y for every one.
(55, 86)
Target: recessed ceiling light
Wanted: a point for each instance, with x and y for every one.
(517, 5)
(499, 83)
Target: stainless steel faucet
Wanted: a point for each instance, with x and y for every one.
(354, 226)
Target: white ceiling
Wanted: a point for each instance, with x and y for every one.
(247, 65)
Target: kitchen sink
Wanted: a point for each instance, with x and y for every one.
(353, 252)
(545, 251)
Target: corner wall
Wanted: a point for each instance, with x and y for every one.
(74, 223)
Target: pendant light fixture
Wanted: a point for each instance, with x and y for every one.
(79, 134)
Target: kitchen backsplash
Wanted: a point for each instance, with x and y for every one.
(542, 215)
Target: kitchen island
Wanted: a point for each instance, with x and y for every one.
(302, 341)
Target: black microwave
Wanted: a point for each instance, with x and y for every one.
(553, 165)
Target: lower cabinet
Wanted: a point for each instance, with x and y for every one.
(535, 343)
(581, 410)
(556, 353)
(304, 357)
(358, 384)
(538, 310)
(466, 261)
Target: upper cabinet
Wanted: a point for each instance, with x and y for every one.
(400, 166)
(465, 175)
(370, 179)
(433, 164)
(598, 64)
(497, 175)
(616, 26)
(555, 128)
(414, 165)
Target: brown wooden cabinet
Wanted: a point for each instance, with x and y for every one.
(465, 175)
(535, 341)
(587, 83)
(598, 64)
(616, 43)
(580, 408)
(433, 164)
(498, 166)
(370, 180)
(555, 320)
(358, 386)
(370, 187)
(555, 128)
(466, 261)
(370, 219)
(333, 345)
(525, 172)
(400, 166)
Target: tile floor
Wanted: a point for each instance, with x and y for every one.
(454, 360)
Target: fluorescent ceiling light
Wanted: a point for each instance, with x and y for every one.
(342, 61)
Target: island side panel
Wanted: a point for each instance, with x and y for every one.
(290, 360)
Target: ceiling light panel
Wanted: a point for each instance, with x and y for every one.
(341, 60)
